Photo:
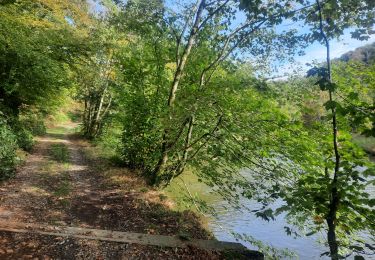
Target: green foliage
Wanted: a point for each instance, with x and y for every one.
(40, 42)
(174, 89)
(109, 143)
(357, 94)
(24, 137)
(340, 15)
(33, 56)
(145, 64)
(7, 150)
(308, 201)
(34, 122)
(60, 152)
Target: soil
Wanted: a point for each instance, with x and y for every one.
(88, 191)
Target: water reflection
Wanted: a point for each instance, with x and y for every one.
(229, 220)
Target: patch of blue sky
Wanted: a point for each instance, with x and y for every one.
(69, 20)
(96, 7)
(315, 52)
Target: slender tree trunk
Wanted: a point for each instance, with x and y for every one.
(101, 101)
(186, 53)
(334, 200)
(166, 148)
(184, 158)
(84, 119)
(331, 234)
(162, 161)
(98, 116)
(89, 116)
(92, 109)
(175, 84)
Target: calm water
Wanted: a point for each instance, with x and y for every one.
(272, 233)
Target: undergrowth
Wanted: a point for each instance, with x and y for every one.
(60, 152)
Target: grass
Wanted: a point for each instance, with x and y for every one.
(69, 111)
(60, 152)
(63, 194)
(54, 177)
(199, 195)
(64, 187)
(74, 116)
(62, 130)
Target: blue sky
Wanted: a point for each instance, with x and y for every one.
(338, 47)
(96, 6)
(315, 52)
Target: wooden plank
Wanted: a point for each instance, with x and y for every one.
(124, 237)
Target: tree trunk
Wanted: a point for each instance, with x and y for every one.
(335, 199)
(182, 163)
(99, 110)
(162, 161)
(176, 81)
(166, 148)
(185, 55)
(331, 222)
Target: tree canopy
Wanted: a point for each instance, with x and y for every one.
(182, 86)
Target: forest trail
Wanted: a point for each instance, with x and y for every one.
(59, 185)
(53, 181)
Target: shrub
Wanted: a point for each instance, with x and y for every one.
(8, 149)
(25, 138)
(34, 123)
(24, 127)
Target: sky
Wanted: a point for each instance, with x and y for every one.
(338, 47)
(315, 52)
(96, 6)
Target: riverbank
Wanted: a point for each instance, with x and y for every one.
(228, 220)
(366, 143)
(65, 183)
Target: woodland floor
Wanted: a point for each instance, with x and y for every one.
(83, 190)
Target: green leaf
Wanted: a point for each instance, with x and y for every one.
(330, 105)
(353, 96)
(331, 86)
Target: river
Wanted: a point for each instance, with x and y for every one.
(229, 220)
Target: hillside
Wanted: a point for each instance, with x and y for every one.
(364, 53)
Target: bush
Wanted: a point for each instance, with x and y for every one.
(8, 149)
(140, 143)
(109, 141)
(25, 138)
(23, 132)
(34, 123)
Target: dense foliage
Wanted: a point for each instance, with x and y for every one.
(39, 43)
(7, 151)
(177, 87)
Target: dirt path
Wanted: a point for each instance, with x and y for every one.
(61, 185)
